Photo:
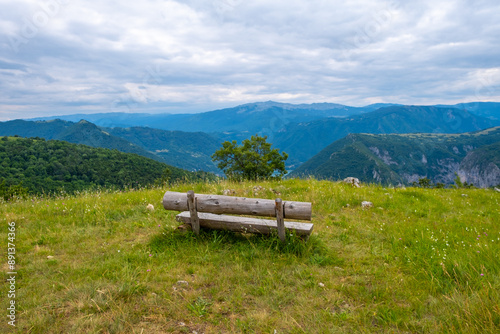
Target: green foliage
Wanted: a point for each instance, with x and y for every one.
(426, 183)
(461, 185)
(253, 160)
(38, 166)
(16, 191)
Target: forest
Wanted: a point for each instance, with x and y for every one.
(39, 166)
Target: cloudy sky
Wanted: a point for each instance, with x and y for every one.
(70, 56)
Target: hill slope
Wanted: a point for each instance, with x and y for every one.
(408, 157)
(50, 166)
(183, 150)
(189, 150)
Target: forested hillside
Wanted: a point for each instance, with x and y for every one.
(185, 150)
(42, 166)
(406, 158)
(189, 150)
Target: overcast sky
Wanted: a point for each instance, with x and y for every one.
(70, 56)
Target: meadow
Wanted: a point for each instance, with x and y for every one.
(418, 261)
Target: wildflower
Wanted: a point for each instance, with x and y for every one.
(149, 270)
(482, 274)
(150, 255)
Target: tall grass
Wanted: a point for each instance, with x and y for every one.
(419, 261)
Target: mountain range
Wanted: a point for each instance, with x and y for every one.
(406, 158)
(302, 131)
(303, 140)
(253, 117)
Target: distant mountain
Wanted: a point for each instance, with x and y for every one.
(405, 158)
(485, 109)
(250, 118)
(303, 140)
(184, 150)
(300, 130)
(49, 166)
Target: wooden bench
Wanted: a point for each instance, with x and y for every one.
(207, 211)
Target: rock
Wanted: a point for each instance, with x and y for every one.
(353, 181)
(366, 204)
(184, 283)
(496, 189)
(150, 207)
(258, 188)
(321, 285)
(228, 192)
(50, 257)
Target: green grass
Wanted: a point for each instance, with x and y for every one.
(419, 261)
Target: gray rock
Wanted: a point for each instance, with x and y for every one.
(353, 181)
(366, 204)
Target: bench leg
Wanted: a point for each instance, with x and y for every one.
(280, 219)
(195, 221)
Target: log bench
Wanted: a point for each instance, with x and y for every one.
(213, 211)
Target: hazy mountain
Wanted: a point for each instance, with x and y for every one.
(303, 140)
(252, 117)
(405, 158)
(485, 109)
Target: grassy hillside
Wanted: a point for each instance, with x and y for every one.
(419, 261)
(52, 166)
(406, 158)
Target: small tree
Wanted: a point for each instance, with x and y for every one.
(253, 160)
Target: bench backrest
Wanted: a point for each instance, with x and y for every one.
(220, 204)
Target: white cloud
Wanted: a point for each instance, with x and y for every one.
(196, 55)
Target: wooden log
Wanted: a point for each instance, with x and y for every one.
(193, 215)
(279, 219)
(237, 205)
(244, 224)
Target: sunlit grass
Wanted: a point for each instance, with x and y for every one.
(420, 260)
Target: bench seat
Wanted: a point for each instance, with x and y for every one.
(244, 224)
